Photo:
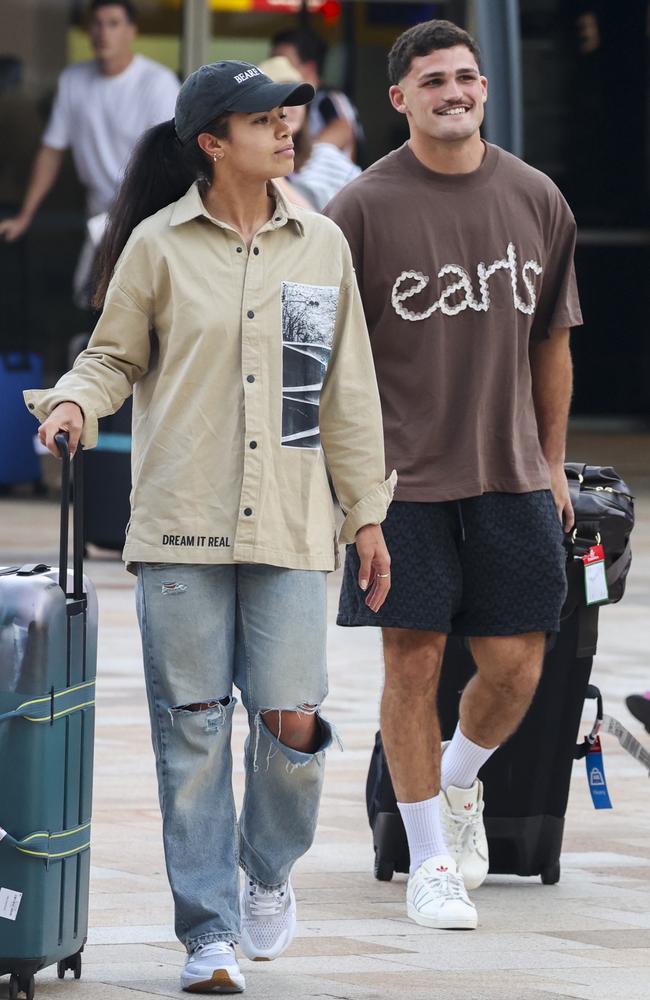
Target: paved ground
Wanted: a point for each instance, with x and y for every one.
(589, 935)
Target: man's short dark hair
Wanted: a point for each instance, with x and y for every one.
(127, 6)
(309, 46)
(422, 39)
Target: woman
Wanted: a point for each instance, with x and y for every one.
(321, 168)
(237, 322)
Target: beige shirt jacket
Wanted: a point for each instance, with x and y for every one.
(252, 377)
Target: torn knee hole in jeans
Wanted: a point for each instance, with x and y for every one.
(301, 710)
(326, 730)
(213, 710)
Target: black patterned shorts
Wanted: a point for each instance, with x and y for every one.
(487, 565)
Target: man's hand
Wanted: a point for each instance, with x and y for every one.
(374, 572)
(560, 490)
(12, 229)
(64, 417)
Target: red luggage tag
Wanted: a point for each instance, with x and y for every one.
(596, 591)
(596, 776)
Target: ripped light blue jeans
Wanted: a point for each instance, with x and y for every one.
(204, 628)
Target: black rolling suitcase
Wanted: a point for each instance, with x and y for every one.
(48, 652)
(107, 471)
(107, 481)
(527, 780)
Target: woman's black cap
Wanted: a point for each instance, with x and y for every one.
(230, 86)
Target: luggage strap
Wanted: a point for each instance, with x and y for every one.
(605, 723)
(51, 846)
(55, 705)
(626, 740)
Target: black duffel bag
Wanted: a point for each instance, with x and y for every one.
(604, 514)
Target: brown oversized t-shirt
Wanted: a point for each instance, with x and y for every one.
(457, 273)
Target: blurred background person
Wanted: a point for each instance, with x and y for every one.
(101, 109)
(321, 168)
(19, 119)
(306, 51)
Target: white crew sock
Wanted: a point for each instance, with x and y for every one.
(423, 830)
(461, 761)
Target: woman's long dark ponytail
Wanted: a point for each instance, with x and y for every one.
(159, 172)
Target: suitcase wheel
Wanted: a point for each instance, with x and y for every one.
(21, 984)
(74, 963)
(551, 874)
(384, 870)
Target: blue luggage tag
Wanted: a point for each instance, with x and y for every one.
(596, 776)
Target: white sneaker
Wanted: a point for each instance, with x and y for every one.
(436, 896)
(268, 920)
(212, 968)
(461, 813)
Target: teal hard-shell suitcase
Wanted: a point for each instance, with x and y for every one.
(48, 654)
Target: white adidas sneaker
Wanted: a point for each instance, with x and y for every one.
(436, 896)
(461, 814)
(212, 968)
(268, 920)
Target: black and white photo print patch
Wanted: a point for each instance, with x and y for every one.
(308, 319)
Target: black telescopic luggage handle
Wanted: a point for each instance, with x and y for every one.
(63, 445)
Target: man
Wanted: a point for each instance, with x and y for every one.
(332, 116)
(464, 257)
(101, 109)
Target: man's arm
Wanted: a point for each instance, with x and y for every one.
(552, 382)
(45, 171)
